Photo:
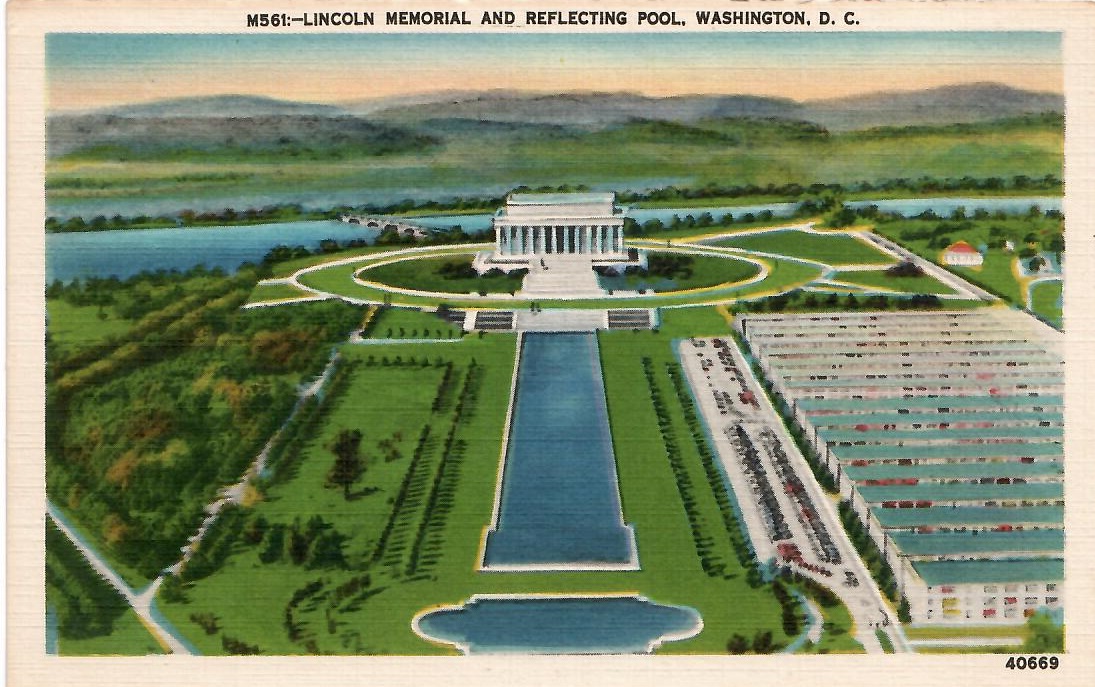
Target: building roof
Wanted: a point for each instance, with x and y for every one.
(935, 573)
(949, 543)
(939, 516)
(993, 469)
(559, 198)
(995, 416)
(962, 247)
(855, 404)
(891, 436)
(934, 491)
(951, 452)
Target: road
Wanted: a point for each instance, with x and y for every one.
(141, 602)
(719, 375)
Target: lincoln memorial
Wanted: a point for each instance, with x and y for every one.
(559, 223)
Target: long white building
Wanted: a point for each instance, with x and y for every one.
(944, 432)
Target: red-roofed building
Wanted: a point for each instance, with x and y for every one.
(962, 254)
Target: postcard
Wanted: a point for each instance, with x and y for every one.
(623, 342)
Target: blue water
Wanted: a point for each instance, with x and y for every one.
(126, 252)
(560, 502)
(560, 625)
(51, 630)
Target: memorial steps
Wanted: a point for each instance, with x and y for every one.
(561, 276)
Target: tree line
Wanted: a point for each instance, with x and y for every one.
(286, 212)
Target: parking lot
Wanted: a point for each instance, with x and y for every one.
(791, 522)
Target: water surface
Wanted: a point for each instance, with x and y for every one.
(560, 503)
(560, 625)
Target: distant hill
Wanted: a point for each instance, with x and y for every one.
(977, 102)
(945, 105)
(240, 125)
(258, 138)
(218, 106)
(590, 109)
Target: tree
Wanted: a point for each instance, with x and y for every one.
(737, 644)
(349, 465)
(762, 642)
(1046, 636)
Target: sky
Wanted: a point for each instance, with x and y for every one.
(86, 71)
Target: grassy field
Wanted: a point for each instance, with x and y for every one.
(943, 632)
(128, 638)
(274, 292)
(836, 635)
(831, 249)
(879, 278)
(72, 327)
(408, 323)
(423, 274)
(396, 416)
(706, 272)
(1046, 301)
(997, 273)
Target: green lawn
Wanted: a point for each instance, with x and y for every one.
(996, 273)
(74, 326)
(275, 292)
(1046, 301)
(831, 249)
(836, 636)
(128, 638)
(706, 272)
(409, 323)
(422, 274)
(879, 278)
(943, 632)
(884, 640)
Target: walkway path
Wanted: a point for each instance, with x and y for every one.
(141, 602)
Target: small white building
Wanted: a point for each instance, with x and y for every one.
(962, 254)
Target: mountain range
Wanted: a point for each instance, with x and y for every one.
(376, 126)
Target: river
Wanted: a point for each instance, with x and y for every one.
(127, 252)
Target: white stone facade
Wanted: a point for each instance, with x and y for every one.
(559, 223)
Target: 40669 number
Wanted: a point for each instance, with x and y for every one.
(1033, 663)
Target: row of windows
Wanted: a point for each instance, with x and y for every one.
(992, 588)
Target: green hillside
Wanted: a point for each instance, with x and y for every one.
(454, 155)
